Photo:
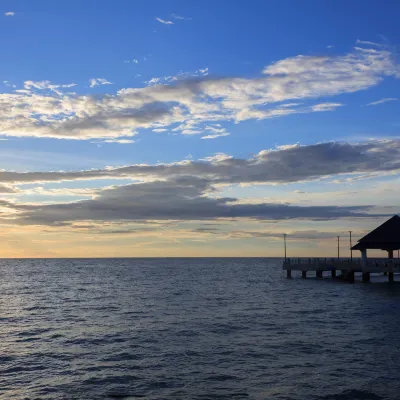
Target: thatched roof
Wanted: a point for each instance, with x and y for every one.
(384, 237)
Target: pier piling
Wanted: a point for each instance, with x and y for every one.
(366, 277)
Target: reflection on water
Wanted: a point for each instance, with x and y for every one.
(192, 328)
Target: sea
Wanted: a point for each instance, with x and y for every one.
(193, 328)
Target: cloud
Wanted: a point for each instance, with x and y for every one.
(183, 199)
(367, 43)
(295, 235)
(134, 61)
(99, 81)
(6, 83)
(326, 106)
(119, 141)
(180, 17)
(381, 101)
(195, 102)
(216, 135)
(9, 14)
(5, 189)
(163, 21)
(282, 165)
(181, 76)
(216, 131)
(31, 86)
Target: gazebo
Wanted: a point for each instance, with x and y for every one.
(385, 237)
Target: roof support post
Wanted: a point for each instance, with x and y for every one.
(364, 258)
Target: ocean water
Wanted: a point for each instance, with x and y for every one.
(193, 329)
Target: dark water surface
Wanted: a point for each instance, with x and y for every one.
(193, 329)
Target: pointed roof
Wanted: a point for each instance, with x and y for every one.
(384, 237)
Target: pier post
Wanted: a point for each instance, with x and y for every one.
(333, 273)
(366, 277)
(289, 273)
(304, 274)
(390, 256)
(350, 276)
(391, 277)
(319, 273)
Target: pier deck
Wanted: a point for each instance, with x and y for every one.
(347, 267)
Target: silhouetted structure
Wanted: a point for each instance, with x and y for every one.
(385, 237)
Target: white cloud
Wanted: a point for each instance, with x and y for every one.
(381, 101)
(163, 21)
(9, 14)
(178, 77)
(99, 81)
(326, 106)
(45, 85)
(365, 42)
(216, 131)
(119, 141)
(216, 135)
(187, 105)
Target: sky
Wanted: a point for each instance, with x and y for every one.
(176, 128)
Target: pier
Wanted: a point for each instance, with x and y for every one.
(386, 237)
(344, 269)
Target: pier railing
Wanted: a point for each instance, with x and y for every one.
(371, 264)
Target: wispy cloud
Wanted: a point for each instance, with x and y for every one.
(99, 81)
(180, 17)
(367, 43)
(8, 84)
(45, 85)
(178, 77)
(326, 106)
(164, 21)
(119, 141)
(216, 135)
(381, 101)
(9, 14)
(216, 131)
(133, 61)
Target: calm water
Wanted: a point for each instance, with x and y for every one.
(193, 329)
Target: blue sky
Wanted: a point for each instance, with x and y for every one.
(259, 92)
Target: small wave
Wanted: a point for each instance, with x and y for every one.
(221, 378)
(352, 394)
(34, 332)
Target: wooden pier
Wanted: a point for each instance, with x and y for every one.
(385, 237)
(344, 269)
